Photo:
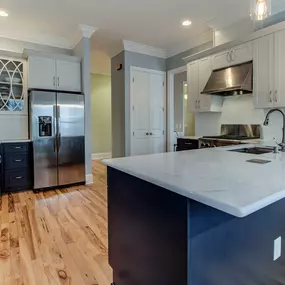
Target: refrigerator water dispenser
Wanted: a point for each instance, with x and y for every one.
(45, 126)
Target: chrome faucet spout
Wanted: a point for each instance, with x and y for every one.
(266, 122)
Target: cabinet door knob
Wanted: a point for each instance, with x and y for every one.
(54, 81)
(151, 134)
(57, 81)
(147, 134)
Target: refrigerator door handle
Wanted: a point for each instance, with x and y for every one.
(54, 128)
(58, 128)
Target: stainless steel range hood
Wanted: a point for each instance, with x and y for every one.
(234, 80)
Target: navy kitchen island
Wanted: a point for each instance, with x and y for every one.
(163, 237)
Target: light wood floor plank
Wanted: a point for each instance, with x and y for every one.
(57, 237)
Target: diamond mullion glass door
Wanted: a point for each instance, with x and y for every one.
(11, 85)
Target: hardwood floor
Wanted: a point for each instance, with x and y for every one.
(56, 237)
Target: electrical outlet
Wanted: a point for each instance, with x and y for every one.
(277, 249)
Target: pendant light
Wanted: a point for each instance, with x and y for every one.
(260, 9)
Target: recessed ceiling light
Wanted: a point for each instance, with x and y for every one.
(3, 14)
(186, 23)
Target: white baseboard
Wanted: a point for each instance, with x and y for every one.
(96, 156)
(89, 179)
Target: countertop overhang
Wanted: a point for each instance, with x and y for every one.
(215, 177)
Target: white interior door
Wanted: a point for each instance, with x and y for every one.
(157, 110)
(140, 113)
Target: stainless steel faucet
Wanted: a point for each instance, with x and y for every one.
(266, 122)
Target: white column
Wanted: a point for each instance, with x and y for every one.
(82, 49)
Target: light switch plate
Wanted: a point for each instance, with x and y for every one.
(277, 249)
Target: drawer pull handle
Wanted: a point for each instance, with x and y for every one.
(18, 147)
(18, 160)
(19, 177)
(188, 143)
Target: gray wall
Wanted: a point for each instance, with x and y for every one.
(82, 49)
(118, 105)
(121, 129)
(177, 60)
(15, 46)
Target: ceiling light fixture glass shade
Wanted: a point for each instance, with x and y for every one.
(3, 13)
(260, 9)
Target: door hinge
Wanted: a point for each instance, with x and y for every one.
(163, 83)
(133, 108)
(133, 134)
(133, 79)
(163, 132)
(163, 109)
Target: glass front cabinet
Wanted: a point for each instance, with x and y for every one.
(13, 90)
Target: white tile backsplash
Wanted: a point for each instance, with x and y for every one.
(238, 110)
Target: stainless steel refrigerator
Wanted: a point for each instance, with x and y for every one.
(57, 131)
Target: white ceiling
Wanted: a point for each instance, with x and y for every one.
(150, 22)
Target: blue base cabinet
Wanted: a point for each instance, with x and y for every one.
(17, 168)
(157, 237)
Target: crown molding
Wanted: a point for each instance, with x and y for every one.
(144, 49)
(87, 31)
(83, 31)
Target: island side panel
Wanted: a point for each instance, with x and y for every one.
(236, 251)
(147, 228)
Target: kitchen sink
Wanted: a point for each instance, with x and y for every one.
(254, 150)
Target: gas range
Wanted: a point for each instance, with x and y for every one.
(231, 135)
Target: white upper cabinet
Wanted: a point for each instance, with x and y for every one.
(205, 70)
(279, 91)
(263, 72)
(54, 74)
(198, 74)
(42, 73)
(241, 54)
(236, 55)
(68, 75)
(269, 62)
(221, 60)
(193, 85)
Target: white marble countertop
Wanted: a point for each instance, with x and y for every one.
(15, 141)
(215, 177)
(189, 137)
